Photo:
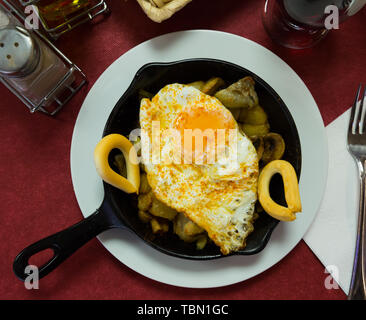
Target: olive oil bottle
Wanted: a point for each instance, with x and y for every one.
(55, 12)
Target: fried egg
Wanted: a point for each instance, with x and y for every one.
(219, 195)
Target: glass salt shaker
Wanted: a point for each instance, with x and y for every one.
(34, 70)
(30, 66)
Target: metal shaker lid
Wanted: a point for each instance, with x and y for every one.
(19, 52)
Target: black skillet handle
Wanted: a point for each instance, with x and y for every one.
(66, 242)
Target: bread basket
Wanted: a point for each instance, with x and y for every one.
(160, 10)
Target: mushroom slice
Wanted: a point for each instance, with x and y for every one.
(274, 147)
(241, 94)
(157, 3)
(258, 145)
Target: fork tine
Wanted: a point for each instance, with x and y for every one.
(363, 108)
(354, 113)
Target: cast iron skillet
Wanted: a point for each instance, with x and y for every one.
(119, 210)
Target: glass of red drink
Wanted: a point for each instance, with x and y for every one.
(301, 24)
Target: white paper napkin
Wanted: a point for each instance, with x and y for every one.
(332, 235)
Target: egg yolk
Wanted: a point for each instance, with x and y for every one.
(207, 122)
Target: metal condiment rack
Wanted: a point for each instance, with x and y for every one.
(73, 70)
(100, 7)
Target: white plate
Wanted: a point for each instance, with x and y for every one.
(127, 247)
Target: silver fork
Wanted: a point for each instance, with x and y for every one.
(357, 148)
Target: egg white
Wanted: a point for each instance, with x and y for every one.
(219, 197)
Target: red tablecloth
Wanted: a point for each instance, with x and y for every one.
(37, 196)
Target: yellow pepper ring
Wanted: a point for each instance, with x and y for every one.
(101, 153)
(292, 193)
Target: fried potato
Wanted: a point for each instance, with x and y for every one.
(243, 114)
(144, 184)
(143, 94)
(258, 207)
(145, 201)
(192, 229)
(241, 94)
(120, 163)
(255, 116)
(255, 216)
(201, 242)
(161, 210)
(212, 86)
(137, 146)
(159, 226)
(142, 167)
(236, 113)
(164, 225)
(186, 229)
(144, 216)
(197, 84)
(255, 130)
